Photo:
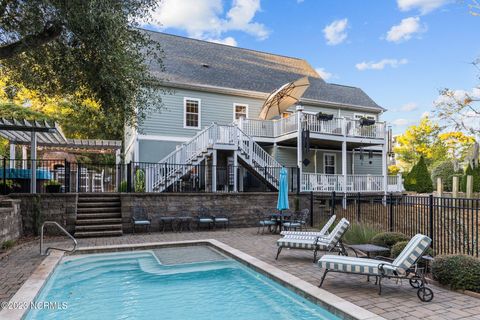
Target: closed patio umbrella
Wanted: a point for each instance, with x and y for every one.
(283, 98)
(282, 202)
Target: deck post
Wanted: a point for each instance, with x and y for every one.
(33, 158)
(384, 163)
(24, 157)
(235, 171)
(344, 167)
(214, 171)
(299, 142)
(12, 155)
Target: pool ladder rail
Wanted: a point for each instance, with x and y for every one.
(54, 248)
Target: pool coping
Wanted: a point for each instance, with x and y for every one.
(336, 305)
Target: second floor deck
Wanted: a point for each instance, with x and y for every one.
(337, 129)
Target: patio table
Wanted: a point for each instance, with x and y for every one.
(167, 220)
(184, 222)
(279, 219)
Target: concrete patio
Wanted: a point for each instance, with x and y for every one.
(398, 301)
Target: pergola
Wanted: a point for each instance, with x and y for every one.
(49, 135)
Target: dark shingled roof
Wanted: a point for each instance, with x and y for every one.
(197, 62)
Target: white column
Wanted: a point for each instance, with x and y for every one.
(214, 171)
(24, 157)
(385, 167)
(299, 142)
(12, 155)
(33, 158)
(344, 165)
(235, 171)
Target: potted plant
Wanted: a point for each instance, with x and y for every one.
(53, 186)
(366, 122)
(324, 116)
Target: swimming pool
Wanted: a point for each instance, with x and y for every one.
(137, 285)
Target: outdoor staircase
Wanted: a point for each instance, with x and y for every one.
(225, 137)
(98, 215)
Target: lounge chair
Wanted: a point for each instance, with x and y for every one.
(403, 267)
(322, 233)
(306, 242)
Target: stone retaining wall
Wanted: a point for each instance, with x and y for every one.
(238, 206)
(36, 208)
(10, 220)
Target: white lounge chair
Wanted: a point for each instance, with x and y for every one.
(322, 233)
(403, 267)
(306, 242)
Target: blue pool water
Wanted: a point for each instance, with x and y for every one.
(137, 286)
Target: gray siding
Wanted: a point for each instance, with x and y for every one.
(154, 151)
(368, 166)
(214, 108)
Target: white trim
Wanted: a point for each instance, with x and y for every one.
(185, 113)
(235, 104)
(334, 162)
(164, 138)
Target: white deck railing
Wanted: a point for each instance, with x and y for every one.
(319, 182)
(336, 126)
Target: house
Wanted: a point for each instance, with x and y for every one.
(213, 95)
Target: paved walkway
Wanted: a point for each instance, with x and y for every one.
(398, 301)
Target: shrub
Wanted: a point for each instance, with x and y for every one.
(8, 244)
(409, 179)
(476, 178)
(457, 271)
(444, 170)
(463, 181)
(398, 247)
(123, 186)
(139, 180)
(388, 239)
(423, 180)
(360, 234)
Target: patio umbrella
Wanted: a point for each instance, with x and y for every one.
(284, 97)
(282, 202)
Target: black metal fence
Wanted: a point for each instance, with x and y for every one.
(64, 176)
(452, 223)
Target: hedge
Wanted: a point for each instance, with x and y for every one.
(457, 271)
(388, 239)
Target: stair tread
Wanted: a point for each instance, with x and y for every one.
(109, 233)
(98, 227)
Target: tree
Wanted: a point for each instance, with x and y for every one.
(446, 171)
(419, 141)
(427, 140)
(423, 181)
(463, 182)
(83, 49)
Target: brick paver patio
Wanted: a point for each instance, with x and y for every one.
(398, 301)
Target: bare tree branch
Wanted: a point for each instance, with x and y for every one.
(49, 33)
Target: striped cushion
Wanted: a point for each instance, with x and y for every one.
(356, 265)
(322, 232)
(338, 231)
(412, 252)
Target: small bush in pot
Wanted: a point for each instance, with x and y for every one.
(457, 271)
(388, 239)
(53, 186)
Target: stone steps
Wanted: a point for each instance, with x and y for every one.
(98, 216)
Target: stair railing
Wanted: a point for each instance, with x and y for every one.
(55, 248)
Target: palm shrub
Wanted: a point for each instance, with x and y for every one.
(360, 233)
(457, 272)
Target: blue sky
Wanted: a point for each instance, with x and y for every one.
(400, 52)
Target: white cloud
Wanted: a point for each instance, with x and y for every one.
(228, 41)
(459, 95)
(424, 6)
(400, 122)
(335, 33)
(405, 30)
(411, 106)
(324, 74)
(380, 65)
(207, 19)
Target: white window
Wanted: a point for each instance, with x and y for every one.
(329, 160)
(358, 116)
(240, 111)
(191, 113)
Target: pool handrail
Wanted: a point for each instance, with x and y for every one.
(54, 248)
